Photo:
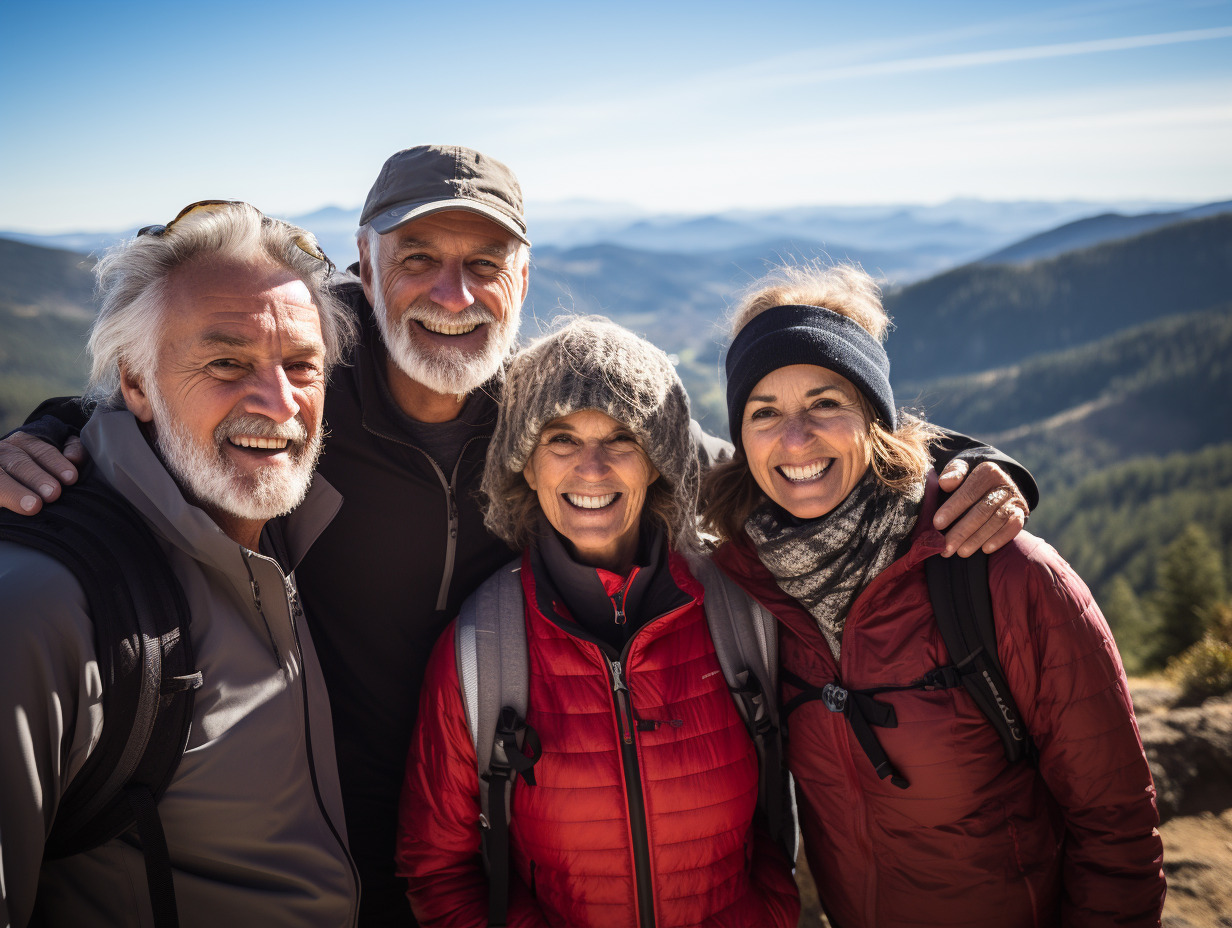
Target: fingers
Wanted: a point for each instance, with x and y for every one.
(953, 475)
(75, 453)
(31, 472)
(990, 512)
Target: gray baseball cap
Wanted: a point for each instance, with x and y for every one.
(430, 179)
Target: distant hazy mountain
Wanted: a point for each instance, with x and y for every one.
(924, 239)
(1096, 230)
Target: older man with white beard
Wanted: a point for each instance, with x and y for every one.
(443, 271)
(209, 362)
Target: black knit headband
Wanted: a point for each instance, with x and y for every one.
(788, 335)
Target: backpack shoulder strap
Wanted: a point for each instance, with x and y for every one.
(141, 640)
(745, 637)
(958, 589)
(494, 677)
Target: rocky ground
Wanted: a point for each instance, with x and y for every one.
(1190, 752)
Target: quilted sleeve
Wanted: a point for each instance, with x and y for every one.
(1066, 674)
(438, 819)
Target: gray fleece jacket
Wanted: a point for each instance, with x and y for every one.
(253, 816)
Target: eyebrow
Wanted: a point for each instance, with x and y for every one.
(224, 340)
(492, 249)
(816, 391)
(227, 340)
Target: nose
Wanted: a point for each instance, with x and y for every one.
(449, 289)
(795, 432)
(272, 395)
(593, 461)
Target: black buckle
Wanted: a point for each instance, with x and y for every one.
(834, 697)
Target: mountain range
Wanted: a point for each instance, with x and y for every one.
(1104, 367)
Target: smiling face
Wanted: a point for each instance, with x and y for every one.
(806, 438)
(591, 477)
(447, 291)
(235, 402)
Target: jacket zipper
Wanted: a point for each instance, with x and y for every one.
(449, 485)
(451, 535)
(297, 613)
(633, 792)
(256, 601)
(623, 593)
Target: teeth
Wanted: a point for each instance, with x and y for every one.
(591, 502)
(444, 328)
(808, 472)
(252, 441)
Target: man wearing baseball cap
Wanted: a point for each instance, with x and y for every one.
(443, 271)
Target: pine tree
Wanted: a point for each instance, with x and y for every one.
(1134, 624)
(1190, 582)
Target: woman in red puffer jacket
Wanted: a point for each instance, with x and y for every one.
(826, 510)
(642, 808)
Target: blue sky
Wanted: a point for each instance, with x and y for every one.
(116, 114)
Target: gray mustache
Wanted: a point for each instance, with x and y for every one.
(293, 430)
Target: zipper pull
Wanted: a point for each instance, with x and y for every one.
(623, 716)
(256, 592)
(453, 514)
(618, 682)
(620, 613)
(293, 598)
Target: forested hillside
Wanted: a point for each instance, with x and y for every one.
(980, 316)
(45, 311)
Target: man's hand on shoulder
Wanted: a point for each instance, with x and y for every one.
(33, 471)
(992, 509)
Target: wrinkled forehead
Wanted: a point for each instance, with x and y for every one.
(229, 301)
(454, 229)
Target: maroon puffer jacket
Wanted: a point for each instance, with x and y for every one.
(574, 844)
(973, 841)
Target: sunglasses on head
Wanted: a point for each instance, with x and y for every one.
(305, 244)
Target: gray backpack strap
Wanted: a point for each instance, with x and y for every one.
(493, 674)
(745, 638)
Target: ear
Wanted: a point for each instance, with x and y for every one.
(365, 267)
(525, 280)
(528, 474)
(135, 397)
(653, 475)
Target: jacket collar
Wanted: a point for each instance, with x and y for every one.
(125, 461)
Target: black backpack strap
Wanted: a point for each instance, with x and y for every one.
(494, 677)
(862, 711)
(958, 589)
(141, 642)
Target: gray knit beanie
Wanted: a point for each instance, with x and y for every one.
(592, 363)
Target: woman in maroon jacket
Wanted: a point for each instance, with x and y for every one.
(826, 512)
(642, 808)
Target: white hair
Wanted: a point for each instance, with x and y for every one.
(132, 280)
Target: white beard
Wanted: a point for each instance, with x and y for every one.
(211, 480)
(445, 369)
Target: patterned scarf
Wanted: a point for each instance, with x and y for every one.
(825, 563)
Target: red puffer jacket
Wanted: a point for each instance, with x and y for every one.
(973, 841)
(575, 846)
